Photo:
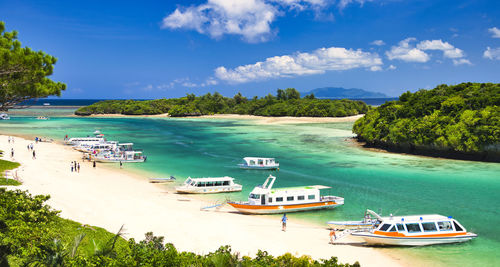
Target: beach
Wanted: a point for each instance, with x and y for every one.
(110, 197)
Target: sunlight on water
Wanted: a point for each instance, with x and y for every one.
(311, 154)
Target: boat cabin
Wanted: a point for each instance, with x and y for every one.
(259, 163)
(209, 185)
(420, 224)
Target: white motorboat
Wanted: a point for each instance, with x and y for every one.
(415, 230)
(4, 116)
(259, 163)
(162, 180)
(208, 185)
(367, 223)
(121, 156)
(264, 199)
(42, 118)
(97, 138)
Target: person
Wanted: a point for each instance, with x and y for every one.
(8, 139)
(12, 152)
(71, 166)
(34, 154)
(93, 164)
(78, 167)
(66, 138)
(121, 164)
(333, 236)
(75, 165)
(283, 222)
(28, 146)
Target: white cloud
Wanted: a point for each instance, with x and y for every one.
(493, 54)
(316, 62)
(407, 53)
(343, 3)
(410, 53)
(250, 19)
(391, 67)
(378, 42)
(495, 32)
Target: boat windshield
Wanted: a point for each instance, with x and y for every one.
(445, 226)
(188, 181)
(254, 196)
(384, 227)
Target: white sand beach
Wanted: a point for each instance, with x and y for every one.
(258, 119)
(109, 197)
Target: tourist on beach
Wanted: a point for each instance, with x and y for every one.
(12, 152)
(34, 154)
(93, 164)
(283, 222)
(8, 139)
(333, 236)
(121, 164)
(71, 166)
(78, 167)
(75, 165)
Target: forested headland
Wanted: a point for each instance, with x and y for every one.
(33, 234)
(286, 103)
(455, 121)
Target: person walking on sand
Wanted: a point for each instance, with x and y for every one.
(78, 167)
(93, 164)
(12, 152)
(71, 166)
(333, 236)
(283, 222)
(34, 154)
(74, 165)
(8, 139)
(121, 164)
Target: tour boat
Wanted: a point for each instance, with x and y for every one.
(162, 180)
(122, 156)
(42, 118)
(267, 200)
(96, 147)
(98, 138)
(366, 223)
(259, 163)
(46, 104)
(208, 185)
(415, 230)
(4, 116)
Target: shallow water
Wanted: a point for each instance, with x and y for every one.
(311, 154)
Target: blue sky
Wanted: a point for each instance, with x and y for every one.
(150, 49)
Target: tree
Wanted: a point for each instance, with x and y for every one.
(24, 72)
(292, 93)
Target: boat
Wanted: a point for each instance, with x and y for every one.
(208, 185)
(415, 230)
(96, 148)
(366, 223)
(4, 116)
(121, 156)
(97, 138)
(259, 163)
(264, 199)
(46, 104)
(42, 118)
(162, 180)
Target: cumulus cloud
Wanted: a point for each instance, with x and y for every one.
(316, 62)
(492, 53)
(250, 19)
(410, 53)
(391, 67)
(378, 42)
(495, 32)
(403, 51)
(344, 3)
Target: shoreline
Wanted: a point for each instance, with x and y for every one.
(259, 119)
(109, 197)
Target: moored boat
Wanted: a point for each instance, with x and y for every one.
(265, 199)
(4, 116)
(208, 185)
(162, 180)
(416, 230)
(366, 223)
(97, 138)
(259, 163)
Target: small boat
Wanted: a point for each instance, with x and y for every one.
(122, 156)
(46, 104)
(208, 185)
(42, 118)
(4, 116)
(367, 223)
(415, 230)
(162, 180)
(259, 163)
(267, 200)
(74, 141)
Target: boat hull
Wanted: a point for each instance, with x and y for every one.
(349, 225)
(118, 160)
(273, 209)
(206, 190)
(372, 239)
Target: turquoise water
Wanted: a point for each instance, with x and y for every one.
(312, 154)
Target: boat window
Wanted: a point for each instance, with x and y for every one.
(188, 181)
(210, 183)
(384, 227)
(429, 226)
(457, 227)
(445, 226)
(225, 183)
(393, 229)
(413, 227)
(203, 184)
(270, 200)
(254, 196)
(279, 199)
(311, 197)
(401, 228)
(300, 198)
(197, 184)
(218, 183)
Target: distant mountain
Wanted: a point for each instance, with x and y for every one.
(339, 92)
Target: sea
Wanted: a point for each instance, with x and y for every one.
(309, 154)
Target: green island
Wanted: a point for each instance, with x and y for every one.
(454, 121)
(286, 103)
(33, 234)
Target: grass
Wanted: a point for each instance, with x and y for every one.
(4, 166)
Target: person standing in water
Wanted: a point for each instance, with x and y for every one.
(283, 222)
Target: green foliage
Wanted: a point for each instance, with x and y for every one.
(31, 234)
(463, 118)
(286, 103)
(4, 166)
(24, 72)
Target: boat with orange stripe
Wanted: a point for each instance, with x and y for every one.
(415, 230)
(265, 199)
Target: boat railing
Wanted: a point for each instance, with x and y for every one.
(330, 198)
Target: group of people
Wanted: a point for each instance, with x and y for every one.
(32, 149)
(11, 139)
(75, 166)
(284, 219)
